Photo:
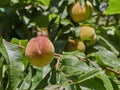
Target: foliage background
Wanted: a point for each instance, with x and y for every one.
(98, 68)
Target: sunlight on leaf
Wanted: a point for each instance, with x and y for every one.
(113, 8)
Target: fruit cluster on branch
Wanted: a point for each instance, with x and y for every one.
(40, 50)
(79, 13)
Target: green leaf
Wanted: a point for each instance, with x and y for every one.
(92, 84)
(77, 32)
(64, 12)
(71, 64)
(36, 78)
(88, 75)
(5, 3)
(14, 1)
(110, 38)
(42, 79)
(53, 76)
(45, 2)
(78, 87)
(54, 16)
(59, 45)
(26, 82)
(106, 81)
(84, 78)
(107, 58)
(114, 84)
(109, 45)
(70, 1)
(14, 61)
(44, 82)
(1, 71)
(19, 42)
(113, 8)
(66, 22)
(42, 21)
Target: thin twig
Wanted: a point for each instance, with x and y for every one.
(58, 60)
(113, 70)
(59, 56)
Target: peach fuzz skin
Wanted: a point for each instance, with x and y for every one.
(40, 51)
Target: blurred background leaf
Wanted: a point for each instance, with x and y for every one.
(110, 10)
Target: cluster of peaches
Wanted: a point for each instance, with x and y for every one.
(40, 50)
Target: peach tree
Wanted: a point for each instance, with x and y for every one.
(83, 37)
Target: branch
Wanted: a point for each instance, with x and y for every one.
(58, 60)
(113, 70)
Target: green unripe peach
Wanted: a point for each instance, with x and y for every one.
(80, 46)
(40, 51)
(73, 45)
(81, 13)
(87, 33)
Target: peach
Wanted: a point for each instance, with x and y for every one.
(40, 51)
(81, 13)
(73, 45)
(87, 33)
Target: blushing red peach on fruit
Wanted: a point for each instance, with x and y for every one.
(40, 51)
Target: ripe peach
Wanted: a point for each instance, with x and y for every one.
(40, 51)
